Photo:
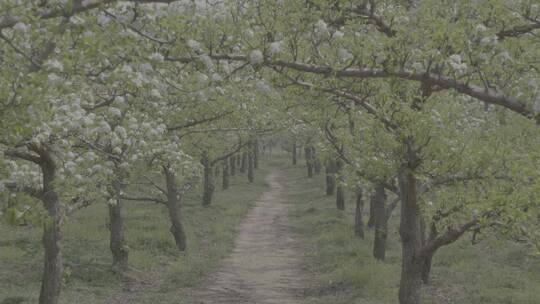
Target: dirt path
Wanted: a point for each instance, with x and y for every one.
(264, 267)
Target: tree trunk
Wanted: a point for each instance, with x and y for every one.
(208, 181)
(358, 222)
(427, 267)
(380, 223)
(316, 163)
(116, 226)
(225, 175)
(309, 161)
(174, 199)
(372, 203)
(330, 177)
(232, 165)
(51, 282)
(251, 175)
(243, 165)
(294, 154)
(411, 241)
(255, 154)
(340, 191)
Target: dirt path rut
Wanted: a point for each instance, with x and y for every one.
(264, 267)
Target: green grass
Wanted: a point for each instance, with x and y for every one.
(159, 271)
(493, 272)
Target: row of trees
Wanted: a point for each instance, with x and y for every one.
(429, 105)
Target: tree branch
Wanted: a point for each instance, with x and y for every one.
(200, 121)
(488, 95)
(143, 199)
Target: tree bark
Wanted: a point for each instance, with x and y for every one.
(174, 199)
(255, 154)
(316, 163)
(330, 177)
(208, 181)
(232, 165)
(251, 174)
(340, 191)
(51, 282)
(380, 223)
(411, 240)
(243, 165)
(116, 226)
(225, 175)
(358, 221)
(309, 160)
(427, 267)
(294, 154)
(371, 220)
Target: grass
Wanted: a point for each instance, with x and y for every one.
(159, 272)
(493, 272)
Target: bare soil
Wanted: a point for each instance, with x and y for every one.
(265, 265)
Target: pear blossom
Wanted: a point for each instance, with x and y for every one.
(20, 26)
(455, 62)
(344, 54)
(157, 57)
(321, 28)
(275, 47)
(54, 64)
(338, 35)
(256, 57)
(194, 45)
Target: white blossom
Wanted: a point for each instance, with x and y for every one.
(202, 78)
(155, 93)
(194, 45)
(457, 65)
(344, 54)
(321, 28)
(103, 19)
(256, 57)
(338, 35)
(207, 62)
(489, 41)
(216, 77)
(54, 64)
(20, 26)
(115, 111)
(480, 28)
(157, 57)
(275, 47)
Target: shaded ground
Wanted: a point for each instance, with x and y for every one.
(264, 267)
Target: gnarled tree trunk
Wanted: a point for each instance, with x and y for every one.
(116, 226)
(208, 180)
(316, 164)
(309, 160)
(173, 202)
(358, 221)
(225, 175)
(255, 154)
(251, 174)
(411, 240)
(243, 165)
(51, 282)
(380, 222)
(330, 177)
(294, 154)
(372, 209)
(233, 165)
(340, 191)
